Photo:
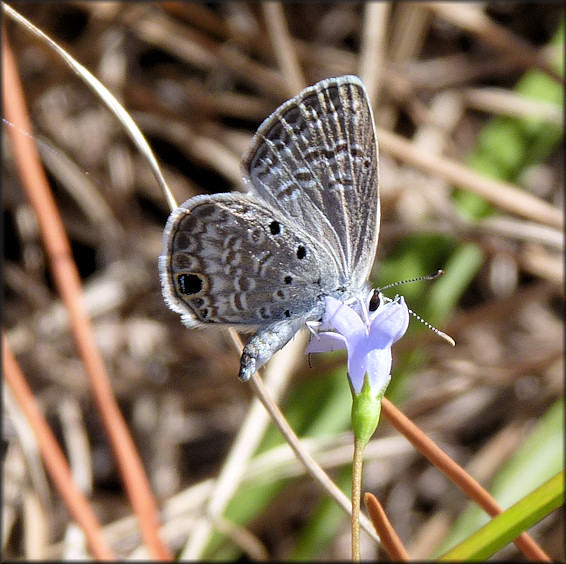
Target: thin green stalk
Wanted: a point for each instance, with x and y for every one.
(357, 463)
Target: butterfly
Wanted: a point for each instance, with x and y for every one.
(305, 228)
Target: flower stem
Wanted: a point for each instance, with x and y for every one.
(357, 463)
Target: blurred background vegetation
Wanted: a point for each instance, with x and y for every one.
(198, 79)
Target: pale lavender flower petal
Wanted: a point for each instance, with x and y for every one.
(392, 321)
(368, 338)
(325, 342)
(378, 368)
(342, 318)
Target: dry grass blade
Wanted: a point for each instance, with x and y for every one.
(54, 458)
(502, 194)
(391, 542)
(503, 102)
(449, 87)
(372, 52)
(106, 97)
(68, 282)
(283, 46)
(457, 474)
(471, 18)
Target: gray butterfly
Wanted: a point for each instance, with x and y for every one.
(306, 228)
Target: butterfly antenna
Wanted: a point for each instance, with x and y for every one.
(427, 277)
(416, 316)
(433, 329)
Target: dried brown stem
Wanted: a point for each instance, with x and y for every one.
(69, 285)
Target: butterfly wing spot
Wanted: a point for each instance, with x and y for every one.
(289, 190)
(264, 312)
(263, 262)
(182, 240)
(288, 279)
(189, 223)
(190, 284)
(244, 284)
(239, 302)
(275, 227)
(185, 261)
(304, 176)
(230, 259)
(232, 242)
(188, 242)
(301, 252)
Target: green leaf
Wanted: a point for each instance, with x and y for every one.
(507, 526)
(540, 456)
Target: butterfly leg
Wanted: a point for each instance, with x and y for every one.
(264, 344)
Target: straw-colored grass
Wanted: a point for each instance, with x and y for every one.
(169, 453)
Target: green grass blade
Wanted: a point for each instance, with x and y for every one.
(507, 526)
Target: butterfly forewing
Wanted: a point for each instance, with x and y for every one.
(315, 160)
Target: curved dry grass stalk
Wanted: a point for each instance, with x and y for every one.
(68, 282)
(502, 194)
(104, 95)
(283, 47)
(76, 501)
(213, 40)
(472, 19)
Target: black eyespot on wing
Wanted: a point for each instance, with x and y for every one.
(275, 227)
(301, 252)
(288, 279)
(189, 284)
(287, 313)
